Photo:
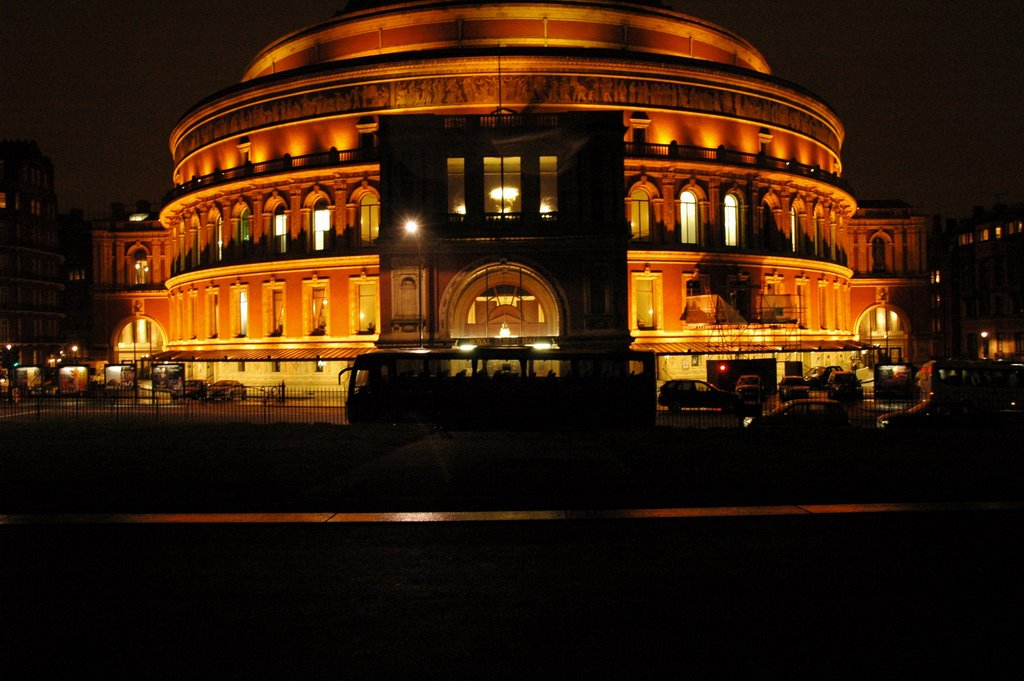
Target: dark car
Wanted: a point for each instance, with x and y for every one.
(793, 388)
(817, 378)
(226, 390)
(748, 387)
(939, 415)
(195, 389)
(695, 394)
(844, 385)
(801, 413)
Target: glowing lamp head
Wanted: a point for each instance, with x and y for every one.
(412, 227)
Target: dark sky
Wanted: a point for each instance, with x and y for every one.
(931, 93)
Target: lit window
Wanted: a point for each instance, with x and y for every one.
(688, 217)
(141, 268)
(640, 215)
(318, 311)
(502, 190)
(457, 186)
(321, 225)
(645, 303)
(369, 218)
(280, 229)
(244, 226)
(548, 185)
(366, 306)
(794, 230)
(731, 220)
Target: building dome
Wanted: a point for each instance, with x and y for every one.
(600, 172)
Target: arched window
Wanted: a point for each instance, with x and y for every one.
(878, 254)
(794, 231)
(731, 220)
(245, 226)
(640, 215)
(219, 239)
(140, 268)
(280, 229)
(688, 217)
(321, 225)
(369, 218)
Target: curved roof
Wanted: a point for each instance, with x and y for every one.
(375, 28)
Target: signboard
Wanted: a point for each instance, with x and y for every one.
(119, 376)
(169, 378)
(894, 381)
(73, 380)
(29, 380)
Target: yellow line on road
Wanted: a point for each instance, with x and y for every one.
(492, 516)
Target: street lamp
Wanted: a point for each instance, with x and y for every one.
(412, 229)
(984, 344)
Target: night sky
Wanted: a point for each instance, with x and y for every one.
(931, 93)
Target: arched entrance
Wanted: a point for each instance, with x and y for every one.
(886, 327)
(506, 301)
(138, 339)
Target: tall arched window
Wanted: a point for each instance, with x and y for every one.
(369, 218)
(245, 226)
(794, 231)
(321, 225)
(280, 230)
(140, 267)
(878, 254)
(731, 220)
(219, 239)
(640, 215)
(688, 217)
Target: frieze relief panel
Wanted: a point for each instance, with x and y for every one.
(515, 91)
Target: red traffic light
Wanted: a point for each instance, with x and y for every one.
(722, 368)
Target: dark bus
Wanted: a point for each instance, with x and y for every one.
(496, 388)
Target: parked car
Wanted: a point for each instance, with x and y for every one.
(940, 415)
(793, 388)
(817, 378)
(196, 388)
(844, 385)
(748, 387)
(802, 412)
(226, 389)
(695, 394)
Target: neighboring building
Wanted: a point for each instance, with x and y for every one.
(131, 256)
(979, 270)
(31, 292)
(599, 173)
(890, 288)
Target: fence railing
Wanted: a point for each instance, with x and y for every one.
(274, 404)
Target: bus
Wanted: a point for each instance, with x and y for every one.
(503, 388)
(988, 385)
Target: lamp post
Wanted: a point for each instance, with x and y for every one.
(984, 344)
(412, 228)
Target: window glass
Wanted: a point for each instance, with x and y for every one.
(457, 186)
(321, 225)
(731, 220)
(369, 218)
(548, 185)
(280, 230)
(640, 215)
(688, 217)
(502, 189)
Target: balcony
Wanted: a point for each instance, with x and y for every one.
(724, 156)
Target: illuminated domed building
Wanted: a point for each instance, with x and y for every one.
(595, 173)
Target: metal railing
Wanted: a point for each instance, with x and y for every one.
(271, 404)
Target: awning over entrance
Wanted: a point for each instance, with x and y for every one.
(265, 355)
(705, 347)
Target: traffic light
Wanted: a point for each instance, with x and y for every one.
(723, 368)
